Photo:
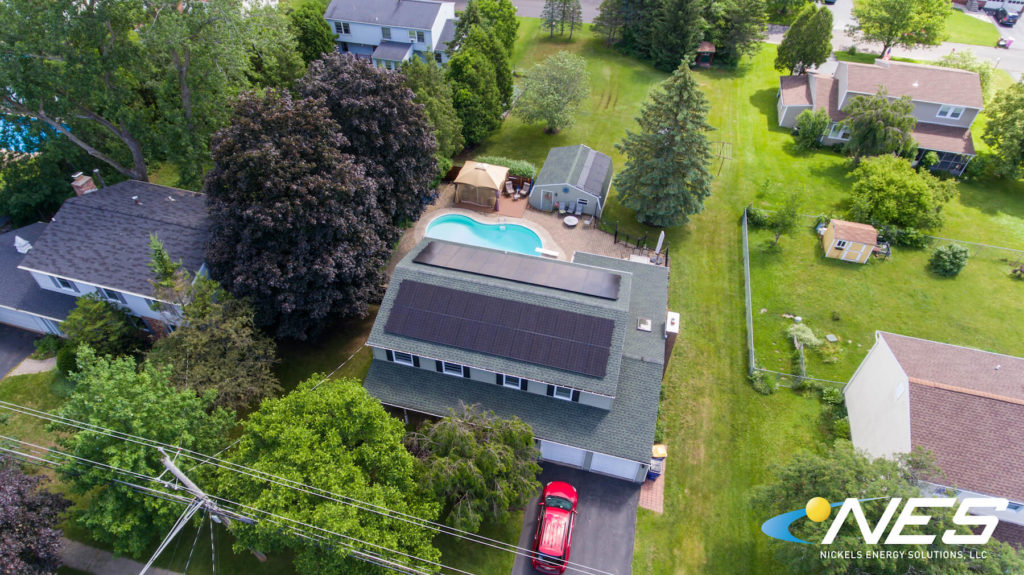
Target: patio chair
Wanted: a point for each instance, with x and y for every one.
(508, 188)
(579, 210)
(561, 208)
(588, 221)
(525, 191)
(571, 208)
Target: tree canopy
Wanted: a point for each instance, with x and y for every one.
(553, 91)
(1005, 129)
(313, 34)
(135, 401)
(434, 93)
(880, 125)
(808, 42)
(902, 23)
(679, 28)
(102, 325)
(384, 130)
(334, 437)
(842, 472)
(966, 60)
(666, 177)
(886, 190)
(480, 465)
(475, 95)
(785, 220)
(736, 28)
(31, 541)
(296, 225)
(33, 187)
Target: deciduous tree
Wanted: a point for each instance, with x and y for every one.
(1005, 129)
(434, 93)
(666, 177)
(966, 60)
(784, 221)
(736, 28)
(811, 126)
(808, 42)
(880, 125)
(553, 91)
(608, 22)
(901, 23)
(31, 541)
(337, 438)
(480, 465)
(312, 33)
(33, 187)
(117, 395)
(274, 57)
(296, 226)
(886, 190)
(500, 17)
(678, 30)
(385, 131)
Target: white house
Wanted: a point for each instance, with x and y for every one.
(99, 242)
(392, 31)
(964, 405)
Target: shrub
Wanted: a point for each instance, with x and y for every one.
(659, 430)
(803, 334)
(852, 50)
(905, 237)
(756, 217)
(841, 428)
(67, 359)
(47, 347)
(928, 160)
(810, 128)
(949, 259)
(519, 168)
(982, 167)
(832, 396)
(836, 316)
(763, 383)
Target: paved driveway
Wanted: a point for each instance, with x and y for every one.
(15, 345)
(605, 526)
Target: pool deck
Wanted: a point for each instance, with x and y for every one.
(554, 235)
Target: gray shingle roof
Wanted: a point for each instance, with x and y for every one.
(580, 167)
(18, 290)
(102, 238)
(626, 431)
(447, 35)
(394, 51)
(399, 13)
(615, 310)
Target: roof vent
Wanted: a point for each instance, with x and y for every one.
(23, 246)
(136, 200)
(644, 324)
(915, 84)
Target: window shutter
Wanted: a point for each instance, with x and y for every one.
(437, 366)
(465, 371)
(551, 391)
(498, 378)
(415, 361)
(391, 354)
(576, 395)
(522, 384)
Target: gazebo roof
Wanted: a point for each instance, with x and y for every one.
(482, 175)
(706, 47)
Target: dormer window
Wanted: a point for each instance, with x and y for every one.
(64, 284)
(950, 112)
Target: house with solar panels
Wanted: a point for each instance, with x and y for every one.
(390, 32)
(576, 349)
(575, 175)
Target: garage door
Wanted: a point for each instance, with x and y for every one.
(19, 319)
(562, 453)
(614, 466)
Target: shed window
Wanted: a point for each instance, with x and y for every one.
(842, 244)
(951, 112)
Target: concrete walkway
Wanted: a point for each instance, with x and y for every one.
(29, 365)
(84, 558)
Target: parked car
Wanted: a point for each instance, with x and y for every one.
(1006, 18)
(553, 540)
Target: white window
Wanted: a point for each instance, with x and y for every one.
(64, 284)
(342, 28)
(403, 358)
(951, 112)
(112, 295)
(841, 244)
(563, 393)
(452, 368)
(385, 33)
(839, 132)
(512, 381)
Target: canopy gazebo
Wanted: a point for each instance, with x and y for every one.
(479, 183)
(705, 54)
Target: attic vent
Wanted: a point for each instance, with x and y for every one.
(644, 324)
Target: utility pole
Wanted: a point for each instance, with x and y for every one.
(201, 501)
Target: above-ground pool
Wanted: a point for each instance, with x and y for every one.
(466, 230)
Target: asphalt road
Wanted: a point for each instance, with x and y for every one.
(605, 524)
(15, 345)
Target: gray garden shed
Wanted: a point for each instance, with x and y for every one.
(573, 174)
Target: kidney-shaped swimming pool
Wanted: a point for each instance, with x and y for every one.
(466, 230)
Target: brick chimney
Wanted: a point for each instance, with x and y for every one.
(82, 184)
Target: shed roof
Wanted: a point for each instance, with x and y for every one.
(399, 13)
(580, 167)
(18, 289)
(855, 232)
(102, 238)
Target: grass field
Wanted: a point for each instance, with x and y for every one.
(965, 29)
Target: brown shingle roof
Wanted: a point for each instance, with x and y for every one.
(920, 82)
(795, 90)
(826, 95)
(944, 138)
(855, 232)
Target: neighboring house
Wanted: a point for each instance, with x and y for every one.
(849, 241)
(575, 349)
(392, 31)
(573, 174)
(946, 102)
(99, 242)
(964, 405)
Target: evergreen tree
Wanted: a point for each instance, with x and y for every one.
(102, 325)
(666, 177)
(499, 16)
(677, 33)
(640, 25)
(434, 93)
(573, 13)
(551, 15)
(475, 95)
(609, 20)
(808, 42)
(736, 28)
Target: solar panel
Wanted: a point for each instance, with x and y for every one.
(506, 328)
(521, 268)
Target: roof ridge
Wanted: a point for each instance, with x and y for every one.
(965, 391)
(884, 333)
(129, 214)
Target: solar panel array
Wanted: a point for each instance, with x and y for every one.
(516, 330)
(521, 268)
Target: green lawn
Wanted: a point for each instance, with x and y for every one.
(43, 391)
(965, 29)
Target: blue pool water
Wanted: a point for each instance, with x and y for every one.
(465, 230)
(17, 137)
